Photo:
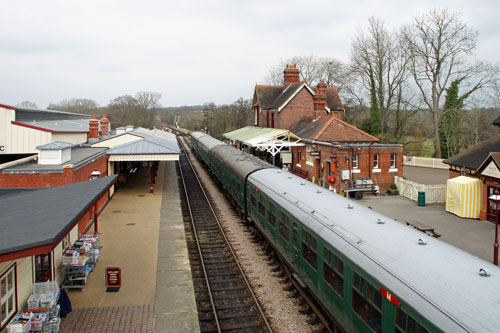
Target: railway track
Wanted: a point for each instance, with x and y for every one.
(225, 300)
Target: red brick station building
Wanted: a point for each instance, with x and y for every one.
(332, 153)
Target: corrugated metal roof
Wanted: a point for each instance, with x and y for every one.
(148, 145)
(39, 216)
(252, 135)
(56, 145)
(64, 125)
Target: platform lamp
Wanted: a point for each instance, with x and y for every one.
(95, 174)
(495, 206)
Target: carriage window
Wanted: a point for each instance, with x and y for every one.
(333, 271)
(367, 302)
(262, 209)
(295, 243)
(284, 226)
(309, 249)
(271, 215)
(405, 323)
(252, 200)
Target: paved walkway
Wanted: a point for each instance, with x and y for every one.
(471, 235)
(428, 176)
(141, 233)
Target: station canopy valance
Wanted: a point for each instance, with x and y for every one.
(263, 138)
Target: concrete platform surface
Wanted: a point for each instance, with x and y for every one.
(143, 234)
(473, 236)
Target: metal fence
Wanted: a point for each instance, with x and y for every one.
(409, 189)
(426, 162)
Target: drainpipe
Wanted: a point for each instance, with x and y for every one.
(370, 160)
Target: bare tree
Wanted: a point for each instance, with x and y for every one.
(379, 51)
(121, 110)
(438, 45)
(27, 104)
(78, 105)
(148, 104)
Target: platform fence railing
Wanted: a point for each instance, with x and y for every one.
(408, 189)
(425, 162)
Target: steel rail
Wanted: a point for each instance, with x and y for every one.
(247, 283)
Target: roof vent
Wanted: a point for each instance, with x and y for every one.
(484, 272)
(289, 177)
(284, 193)
(318, 191)
(302, 183)
(349, 206)
(279, 171)
(380, 221)
(422, 241)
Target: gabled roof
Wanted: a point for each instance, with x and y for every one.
(330, 129)
(40, 216)
(56, 145)
(473, 157)
(276, 97)
(492, 157)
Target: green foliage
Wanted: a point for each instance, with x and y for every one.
(450, 120)
(393, 187)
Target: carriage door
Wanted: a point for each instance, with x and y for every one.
(295, 244)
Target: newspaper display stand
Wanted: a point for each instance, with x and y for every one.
(80, 260)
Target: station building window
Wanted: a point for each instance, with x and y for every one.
(405, 323)
(355, 161)
(8, 296)
(284, 226)
(375, 161)
(393, 160)
(309, 246)
(43, 266)
(271, 215)
(367, 302)
(333, 271)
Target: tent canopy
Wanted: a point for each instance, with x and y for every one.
(464, 196)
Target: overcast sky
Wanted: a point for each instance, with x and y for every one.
(191, 52)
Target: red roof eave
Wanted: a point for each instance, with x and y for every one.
(7, 107)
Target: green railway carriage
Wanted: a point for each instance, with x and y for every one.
(204, 145)
(370, 273)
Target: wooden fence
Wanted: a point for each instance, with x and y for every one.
(409, 189)
(426, 162)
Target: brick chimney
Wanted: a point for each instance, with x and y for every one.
(291, 75)
(104, 125)
(320, 98)
(93, 129)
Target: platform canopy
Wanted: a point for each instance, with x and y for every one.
(272, 140)
(141, 144)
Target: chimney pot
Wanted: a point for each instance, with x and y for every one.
(93, 128)
(104, 128)
(291, 75)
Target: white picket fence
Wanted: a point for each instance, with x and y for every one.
(409, 189)
(426, 162)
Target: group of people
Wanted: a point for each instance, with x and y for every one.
(287, 167)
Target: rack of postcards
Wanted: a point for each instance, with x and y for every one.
(42, 311)
(79, 260)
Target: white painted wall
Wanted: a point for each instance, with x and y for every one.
(24, 269)
(74, 138)
(116, 141)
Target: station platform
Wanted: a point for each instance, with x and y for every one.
(143, 234)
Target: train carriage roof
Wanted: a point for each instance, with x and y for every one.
(198, 135)
(241, 162)
(439, 281)
(208, 142)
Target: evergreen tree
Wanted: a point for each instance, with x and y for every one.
(449, 122)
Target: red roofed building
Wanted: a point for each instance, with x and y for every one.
(336, 154)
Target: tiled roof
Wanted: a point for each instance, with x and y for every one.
(472, 158)
(330, 129)
(40, 216)
(272, 97)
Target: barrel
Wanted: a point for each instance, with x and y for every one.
(421, 198)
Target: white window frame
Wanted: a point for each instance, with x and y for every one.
(355, 161)
(393, 160)
(309, 158)
(8, 295)
(376, 161)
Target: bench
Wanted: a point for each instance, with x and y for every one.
(424, 228)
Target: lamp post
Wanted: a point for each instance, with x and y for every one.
(95, 174)
(495, 205)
